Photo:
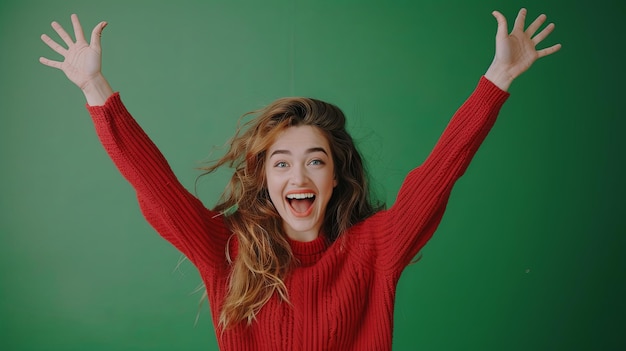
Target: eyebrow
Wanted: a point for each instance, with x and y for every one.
(308, 151)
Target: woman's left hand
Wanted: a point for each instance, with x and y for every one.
(516, 52)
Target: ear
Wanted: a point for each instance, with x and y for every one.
(335, 181)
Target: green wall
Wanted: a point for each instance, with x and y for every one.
(529, 256)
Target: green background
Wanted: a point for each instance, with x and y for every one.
(529, 256)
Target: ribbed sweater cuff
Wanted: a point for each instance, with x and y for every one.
(490, 93)
(113, 103)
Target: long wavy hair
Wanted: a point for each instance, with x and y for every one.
(264, 256)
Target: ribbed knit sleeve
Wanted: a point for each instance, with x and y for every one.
(175, 213)
(406, 227)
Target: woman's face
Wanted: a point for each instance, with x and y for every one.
(300, 180)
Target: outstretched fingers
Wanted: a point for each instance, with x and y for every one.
(53, 45)
(50, 63)
(520, 20)
(543, 34)
(549, 51)
(533, 27)
(503, 30)
(78, 29)
(531, 31)
(539, 37)
(96, 34)
(62, 33)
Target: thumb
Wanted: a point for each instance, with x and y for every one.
(503, 30)
(96, 34)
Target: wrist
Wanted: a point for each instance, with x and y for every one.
(499, 76)
(97, 90)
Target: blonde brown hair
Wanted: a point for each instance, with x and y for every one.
(264, 256)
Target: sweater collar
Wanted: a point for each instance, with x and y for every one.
(308, 253)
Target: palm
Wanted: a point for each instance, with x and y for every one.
(81, 64)
(517, 52)
(82, 61)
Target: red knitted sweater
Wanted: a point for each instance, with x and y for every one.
(342, 296)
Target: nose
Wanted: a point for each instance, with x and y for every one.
(299, 176)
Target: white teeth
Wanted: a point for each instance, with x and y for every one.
(300, 196)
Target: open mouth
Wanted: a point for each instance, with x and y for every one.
(301, 203)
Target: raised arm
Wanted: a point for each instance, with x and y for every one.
(422, 199)
(175, 213)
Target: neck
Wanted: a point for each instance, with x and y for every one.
(303, 236)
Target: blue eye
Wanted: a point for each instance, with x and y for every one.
(281, 164)
(316, 162)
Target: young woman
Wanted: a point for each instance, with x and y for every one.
(295, 257)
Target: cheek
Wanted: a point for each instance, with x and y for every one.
(333, 176)
(329, 182)
(273, 188)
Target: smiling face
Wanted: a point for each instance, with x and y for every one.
(300, 180)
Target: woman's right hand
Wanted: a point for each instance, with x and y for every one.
(82, 61)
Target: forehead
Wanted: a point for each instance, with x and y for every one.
(300, 138)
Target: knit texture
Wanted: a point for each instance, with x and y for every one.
(342, 294)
